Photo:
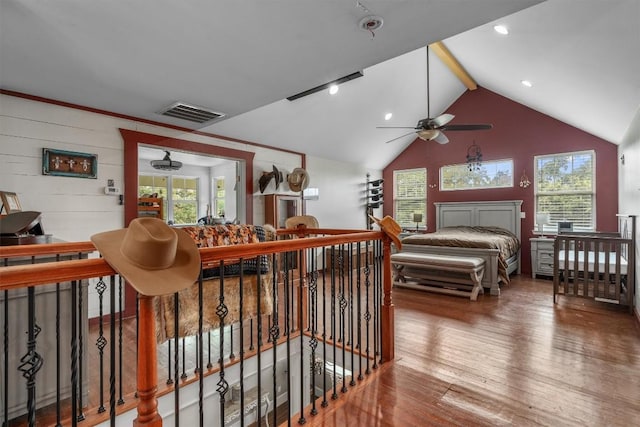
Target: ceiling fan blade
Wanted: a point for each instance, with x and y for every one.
(441, 138)
(395, 127)
(441, 120)
(401, 136)
(467, 127)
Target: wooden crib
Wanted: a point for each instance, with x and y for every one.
(597, 265)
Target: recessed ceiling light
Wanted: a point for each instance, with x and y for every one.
(526, 83)
(388, 116)
(501, 29)
(333, 89)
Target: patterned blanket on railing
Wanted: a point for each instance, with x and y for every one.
(188, 305)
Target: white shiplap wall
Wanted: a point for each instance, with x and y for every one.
(75, 208)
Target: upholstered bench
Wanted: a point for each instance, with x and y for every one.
(448, 274)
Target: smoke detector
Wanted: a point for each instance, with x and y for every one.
(371, 23)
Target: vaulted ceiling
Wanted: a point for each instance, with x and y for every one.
(244, 58)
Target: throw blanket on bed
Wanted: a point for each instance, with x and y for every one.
(210, 236)
(473, 237)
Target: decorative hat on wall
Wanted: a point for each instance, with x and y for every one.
(268, 176)
(298, 179)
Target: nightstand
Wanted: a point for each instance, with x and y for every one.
(541, 256)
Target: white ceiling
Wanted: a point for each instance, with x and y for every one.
(244, 57)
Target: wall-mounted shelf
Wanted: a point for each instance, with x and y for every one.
(150, 207)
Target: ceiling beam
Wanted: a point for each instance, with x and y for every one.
(456, 68)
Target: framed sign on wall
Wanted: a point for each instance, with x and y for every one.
(10, 202)
(69, 163)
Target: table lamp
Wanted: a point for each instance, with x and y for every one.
(542, 219)
(417, 218)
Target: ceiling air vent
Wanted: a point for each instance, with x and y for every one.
(191, 113)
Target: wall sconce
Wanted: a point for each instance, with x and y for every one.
(417, 218)
(474, 157)
(524, 180)
(434, 185)
(622, 159)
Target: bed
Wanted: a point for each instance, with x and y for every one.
(488, 230)
(597, 265)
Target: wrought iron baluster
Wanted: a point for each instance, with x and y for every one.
(359, 312)
(351, 336)
(112, 355)
(80, 353)
(120, 326)
(241, 296)
(274, 333)
(58, 361)
(376, 280)
(313, 322)
(367, 312)
(221, 311)
(5, 340)
(176, 358)
(334, 394)
(325, 403)
(200, 350)
(301, 295)
(101, 341)
(259, 354)
(32, 361)
(74, 354)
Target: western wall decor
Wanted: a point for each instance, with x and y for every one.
(10, 202)
(69, 163)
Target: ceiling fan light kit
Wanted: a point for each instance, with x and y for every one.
(166, 164)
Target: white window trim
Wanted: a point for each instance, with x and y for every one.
(593, 188)
(510, 185)
(423, 200)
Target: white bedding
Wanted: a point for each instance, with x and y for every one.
(591, 259)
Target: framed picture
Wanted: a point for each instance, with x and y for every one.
(10, 202)
(69, 163)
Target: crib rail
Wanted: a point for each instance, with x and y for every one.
(598, 266)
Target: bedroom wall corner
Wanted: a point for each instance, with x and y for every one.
(629, 189)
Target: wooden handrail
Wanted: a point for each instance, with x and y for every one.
(46, 249)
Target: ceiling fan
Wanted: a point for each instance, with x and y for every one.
(432, 128)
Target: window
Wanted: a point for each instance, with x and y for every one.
(492, 174)
(180, 195)
(150, 184)
(219, 195)
(184, 200)
(410, 197)
(565, 188)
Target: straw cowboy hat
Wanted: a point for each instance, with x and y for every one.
(298, 179)
(153, 257)
(390, 227)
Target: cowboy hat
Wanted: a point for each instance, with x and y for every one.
(153, 257)
(390, 227)
(298, 179)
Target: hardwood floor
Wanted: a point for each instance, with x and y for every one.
(513, 360)
(516, 359)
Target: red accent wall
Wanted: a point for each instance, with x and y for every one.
(519, 133)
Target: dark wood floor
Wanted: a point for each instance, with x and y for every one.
(516, 359)
(513, 360)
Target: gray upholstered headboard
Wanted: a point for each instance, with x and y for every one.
(503, 213)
